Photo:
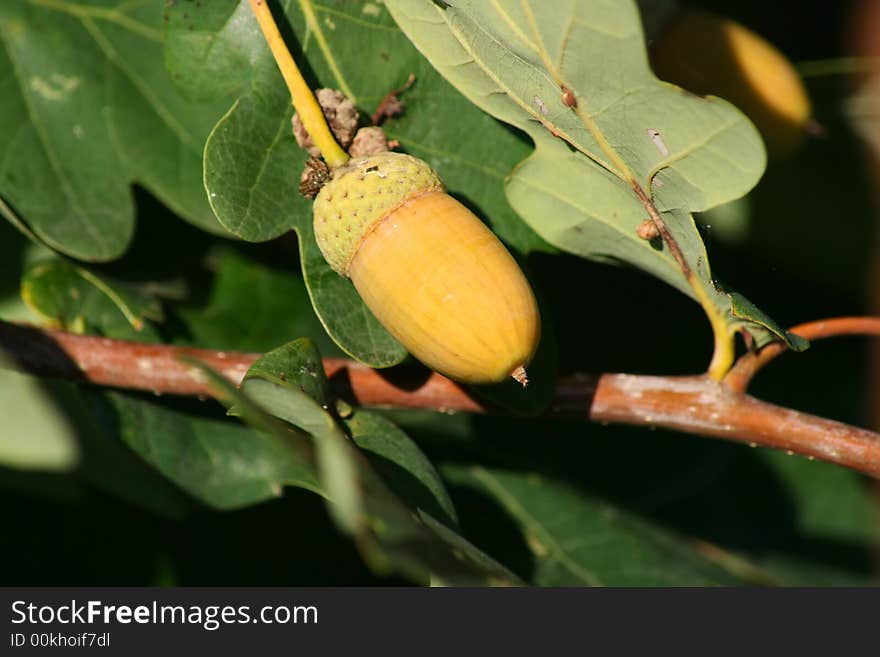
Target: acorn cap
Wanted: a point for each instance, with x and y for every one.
(363, 192)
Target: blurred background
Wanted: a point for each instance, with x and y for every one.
(801, 246)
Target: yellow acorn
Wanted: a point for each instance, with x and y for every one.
(708, 54)
(434, 276)
(430, 271)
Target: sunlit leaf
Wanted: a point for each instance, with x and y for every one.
(612, 143)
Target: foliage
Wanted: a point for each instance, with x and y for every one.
(185, 102)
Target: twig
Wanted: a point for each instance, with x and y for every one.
(746, 367)
(696, 405)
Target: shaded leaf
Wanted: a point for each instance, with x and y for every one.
(401, 464)
(219, 461)
(107, 464)
(87, 109)
(295, 365)
(252, 306)
(16, 252)
(289, 383)
(655, 14)
(578, 541)
(283, 383)
(388, 534)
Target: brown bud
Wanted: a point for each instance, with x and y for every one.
(368, 141)
(647, 230)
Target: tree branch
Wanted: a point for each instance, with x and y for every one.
(695, 405)
(746, 367)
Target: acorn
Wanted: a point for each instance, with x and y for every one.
(709, 54)
(432, 273)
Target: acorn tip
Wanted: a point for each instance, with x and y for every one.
(519, 374)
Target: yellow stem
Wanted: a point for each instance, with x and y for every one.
(304, 100)
(725, 347)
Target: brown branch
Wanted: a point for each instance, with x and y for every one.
(695, 405)
(747, 366)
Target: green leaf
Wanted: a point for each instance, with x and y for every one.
(387, 532)
(296, 366)
(252, 305)
(626, 131)
(289, 383)
(761, 327)
(88, 109)
(74, 298)
(222, 463)
(35, 434)
(209, 47)
(252, 163)
(401, 464)
(16, 251)
(578, 541)
(761, 515)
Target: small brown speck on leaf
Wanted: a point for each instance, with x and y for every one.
(647, 230)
